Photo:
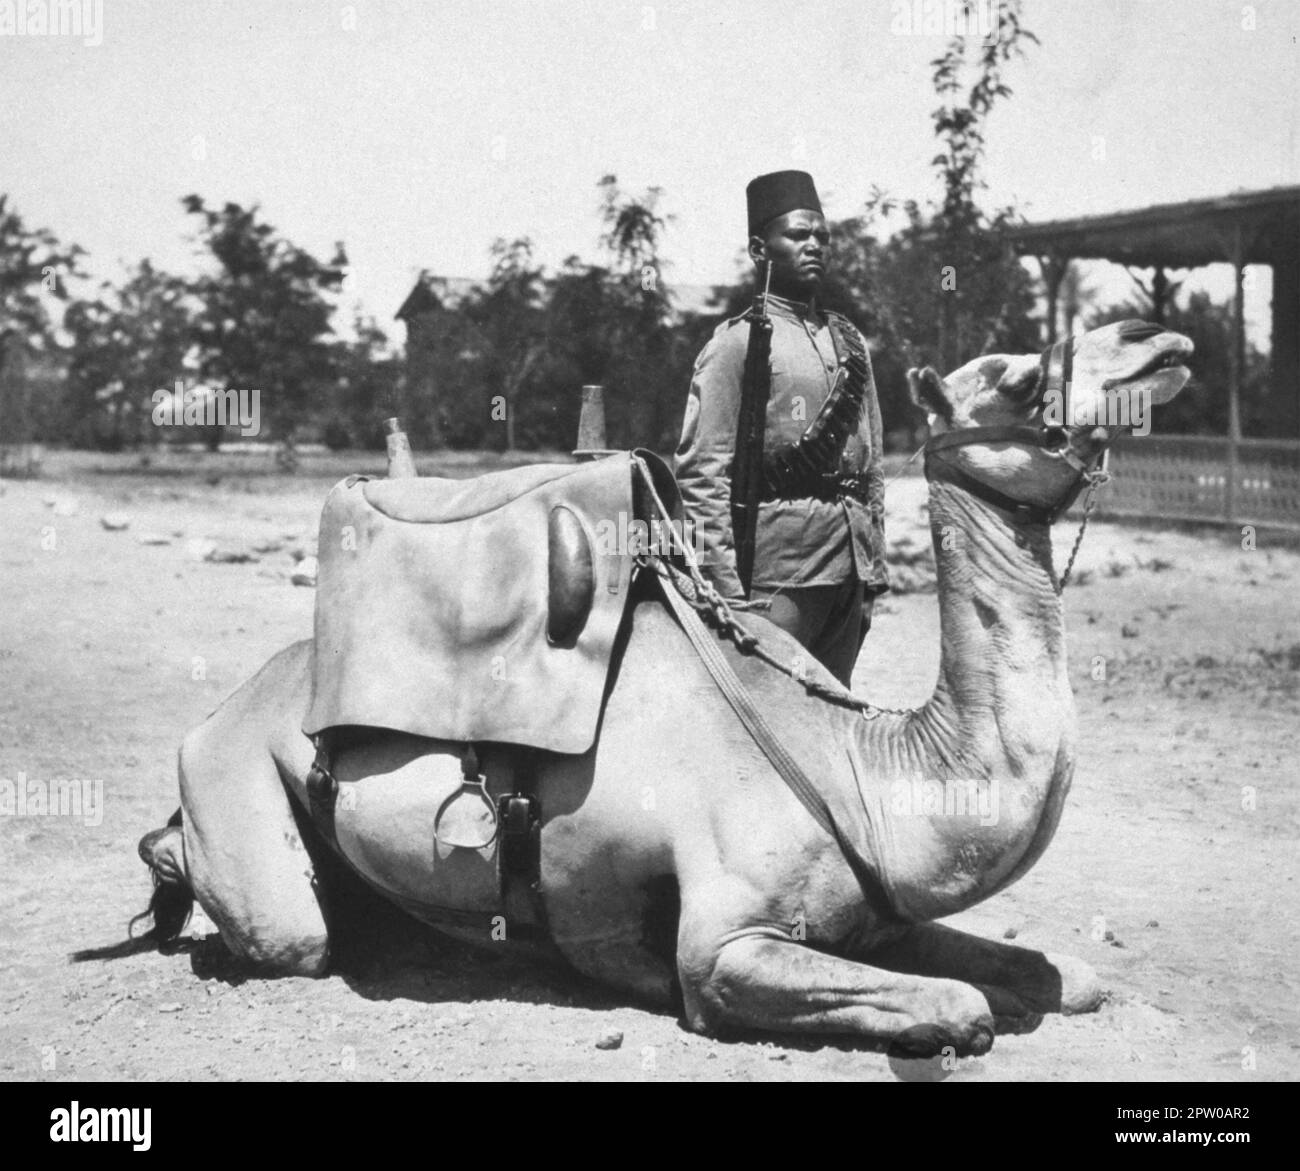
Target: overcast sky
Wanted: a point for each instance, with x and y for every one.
(417, 132)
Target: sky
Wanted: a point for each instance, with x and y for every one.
(418, 132)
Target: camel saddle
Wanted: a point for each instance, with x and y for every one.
(479, 610)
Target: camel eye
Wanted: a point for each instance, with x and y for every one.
(1020, 386)
(991, 372)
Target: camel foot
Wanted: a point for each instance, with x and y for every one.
(1010, 1012)
(1081, 990)
(932, 1040)
(954, 1019)
(211, 959)
(1017, 981)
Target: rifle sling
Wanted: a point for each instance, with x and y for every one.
(747, 462)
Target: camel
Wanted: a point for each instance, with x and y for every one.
(675, 863)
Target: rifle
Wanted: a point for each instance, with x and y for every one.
(747, 463)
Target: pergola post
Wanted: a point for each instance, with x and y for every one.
(1159, 293)
(1236, 365)
(1284, 391)
(1053, 268)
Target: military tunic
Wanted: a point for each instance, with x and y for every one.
(799, 542)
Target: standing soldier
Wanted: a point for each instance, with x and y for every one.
(780, 457)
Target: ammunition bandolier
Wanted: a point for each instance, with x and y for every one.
(810, 466)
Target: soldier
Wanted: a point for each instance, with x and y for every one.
(816, 538)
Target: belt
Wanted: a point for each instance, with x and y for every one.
(825, 486)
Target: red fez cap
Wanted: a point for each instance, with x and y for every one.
(773, 195)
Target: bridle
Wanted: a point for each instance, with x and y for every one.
(1057, 369)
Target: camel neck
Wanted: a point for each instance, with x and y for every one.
(1002, 667)
(997, 734)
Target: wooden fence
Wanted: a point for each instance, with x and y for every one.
(1194, 477)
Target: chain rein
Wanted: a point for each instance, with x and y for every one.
(1095, 478)
(721, 614)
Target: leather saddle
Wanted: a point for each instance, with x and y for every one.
(479, 610)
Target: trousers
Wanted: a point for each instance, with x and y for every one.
(830, 620)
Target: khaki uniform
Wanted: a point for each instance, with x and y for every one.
(801, 542)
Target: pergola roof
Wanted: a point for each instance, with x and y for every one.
(1175, 235)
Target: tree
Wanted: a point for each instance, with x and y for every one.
(982, 284)
(518, 348)
(367, 390)
(511, 326)
(265, 318)
(33, 268)
(646, 364)
(126, 344)
(614, 324)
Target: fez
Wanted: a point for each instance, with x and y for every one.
(773, 195)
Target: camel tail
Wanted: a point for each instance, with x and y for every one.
(169, 909)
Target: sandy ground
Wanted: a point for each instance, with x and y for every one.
(1173, 873)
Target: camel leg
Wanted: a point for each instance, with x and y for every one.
(1017, 980)
(244, 857)
(766, 981)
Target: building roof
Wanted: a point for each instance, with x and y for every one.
(435, 292)
(445, 292)
(1175, 235)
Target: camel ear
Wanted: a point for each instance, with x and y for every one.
(928, 392)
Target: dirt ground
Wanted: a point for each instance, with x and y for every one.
(1173, 873)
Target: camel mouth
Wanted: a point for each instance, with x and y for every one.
(1159, 380)
(1169, 360)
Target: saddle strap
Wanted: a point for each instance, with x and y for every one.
(742, 703)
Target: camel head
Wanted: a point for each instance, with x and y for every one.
(1119, 372)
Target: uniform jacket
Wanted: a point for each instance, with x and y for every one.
(801, 542)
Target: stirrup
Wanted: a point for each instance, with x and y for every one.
(468, 818)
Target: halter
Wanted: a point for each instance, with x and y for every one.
(1057, 368)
